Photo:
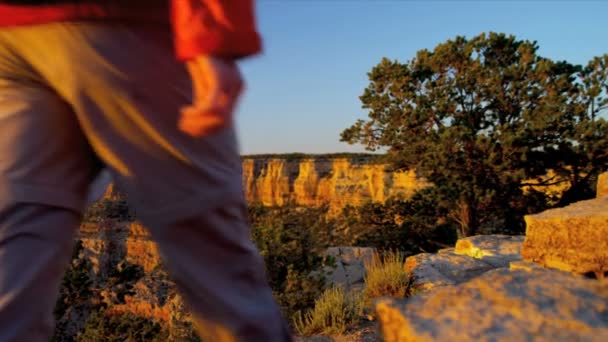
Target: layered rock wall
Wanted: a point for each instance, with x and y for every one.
(335, 182)
(338, 182)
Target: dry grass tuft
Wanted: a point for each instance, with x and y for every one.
(386, 276)
(335, 312)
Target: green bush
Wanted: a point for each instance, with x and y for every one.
(334, 312)
(122, 277)
(124, 328)
(415, 225)
(292, 240)
(76, 287)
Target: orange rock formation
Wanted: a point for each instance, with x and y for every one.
(335, 182)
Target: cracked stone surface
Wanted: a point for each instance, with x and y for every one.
(496, 250)
(433, 270)
(536, 304)
(470, 258)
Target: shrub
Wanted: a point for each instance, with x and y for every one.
(122, 277)
(123, 327)
(76, 296)
(334, 312)
(414, 225)
(291, 242)
(76, 287)
(386, 277)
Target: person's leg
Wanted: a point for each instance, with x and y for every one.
(35, 247)
(127, 90)
(44, 171)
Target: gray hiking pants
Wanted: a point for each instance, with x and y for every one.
(75, 94)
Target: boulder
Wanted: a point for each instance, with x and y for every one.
(573, 238)
(436, 270)
(349, 268)
(502, 305)
(496, 250)
(471, 257)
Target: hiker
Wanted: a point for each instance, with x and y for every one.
(146, 89)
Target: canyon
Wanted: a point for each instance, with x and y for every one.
(123, 269)
(335, 182)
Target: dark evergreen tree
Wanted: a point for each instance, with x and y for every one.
(481, 117)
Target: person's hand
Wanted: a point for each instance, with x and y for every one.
(217, 85)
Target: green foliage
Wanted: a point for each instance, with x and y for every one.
(334, 312)
(479, 117)
(81, 296)
(412, 226)
(386, 277)
(585, 154)
(122, 277)
(292, 240)
(123, 327)
(76, 296)
(76, 287)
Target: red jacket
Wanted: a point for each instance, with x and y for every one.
(218, 27)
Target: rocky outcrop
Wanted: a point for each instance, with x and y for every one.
(114, 246)
(523, 302)
(109, 242)
(140, 249)
(120, 270)
(442, 269)
(349, 268)
(470, 258)
(496, 250)
(573, 239)
(503, 305)
(334, 182)
(483, 291)
(482, 300)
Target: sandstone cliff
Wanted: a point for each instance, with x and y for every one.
(336, 182)
(332, 181)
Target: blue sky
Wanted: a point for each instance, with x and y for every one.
(303, 90)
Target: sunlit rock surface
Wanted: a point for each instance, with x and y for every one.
(470, 258)
(573, 238)
(496, 250)
(115, 246)
(433, 270)
(140, 249)
(523, 302)
(503, 305)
